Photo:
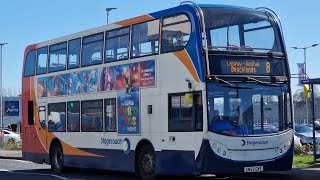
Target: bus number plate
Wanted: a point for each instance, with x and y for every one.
(253, 169)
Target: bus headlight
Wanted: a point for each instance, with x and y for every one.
(220, 149)
(284, 147)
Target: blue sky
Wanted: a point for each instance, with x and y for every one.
(27, 22)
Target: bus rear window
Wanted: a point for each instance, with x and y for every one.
(29, 64)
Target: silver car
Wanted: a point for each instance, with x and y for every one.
(305, 133)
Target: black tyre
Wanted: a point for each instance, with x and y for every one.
(56, 158)
(146, 163)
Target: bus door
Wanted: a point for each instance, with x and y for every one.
(43, 128)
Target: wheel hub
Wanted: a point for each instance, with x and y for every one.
(147, 163)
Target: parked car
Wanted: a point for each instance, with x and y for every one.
(297, 141)
(11, 135)
(317, 125)
(305, 133)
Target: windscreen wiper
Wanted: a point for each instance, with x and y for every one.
(230, 84)
(260, 82)
(219, 79)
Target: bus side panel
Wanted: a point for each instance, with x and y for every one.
(113, 160)
(175, 162)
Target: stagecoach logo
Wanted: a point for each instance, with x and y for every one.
(252, 143)
(125, 143)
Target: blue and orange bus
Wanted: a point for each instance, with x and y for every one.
(190, 90)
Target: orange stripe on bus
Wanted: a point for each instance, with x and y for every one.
(184, 57)
(134, 20)
(69, 150)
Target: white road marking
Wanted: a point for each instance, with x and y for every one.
(40, 174)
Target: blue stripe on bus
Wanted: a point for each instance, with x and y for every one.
(167, 162)
(175, 162)
(195, 40)
(208, 162)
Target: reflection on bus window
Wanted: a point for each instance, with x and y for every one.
(117, 44)
(57, 117)
(73, 114)
(145, 39)
(42, 60)
(92, 50)
(74, 53)
(58, 57)
(175, 33)
(91, 116)
(110, 114)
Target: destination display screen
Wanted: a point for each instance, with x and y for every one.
(260, 67)
(246, 66)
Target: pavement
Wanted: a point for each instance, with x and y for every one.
(7, 154)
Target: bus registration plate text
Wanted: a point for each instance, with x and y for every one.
(253, 169)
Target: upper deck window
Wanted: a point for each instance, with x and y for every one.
(29, 64)
(145, 39)
(42, 60)
(175, 33)
(239, 29)
(117, 44)
(58, 56)
(92, 50)
(74, 53)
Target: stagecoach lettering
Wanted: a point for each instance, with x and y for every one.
(110, 141)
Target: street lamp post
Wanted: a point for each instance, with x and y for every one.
(305, 69)
(108, 10)
(1, 92)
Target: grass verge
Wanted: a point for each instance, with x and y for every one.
(303, 160)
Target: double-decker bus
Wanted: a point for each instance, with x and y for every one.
(190, 90)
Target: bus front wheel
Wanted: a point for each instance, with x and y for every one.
(146, 163)
(56, 158)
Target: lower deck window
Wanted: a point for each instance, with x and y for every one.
(91, 116)
(73, 113)
(185, 112)
(110, 114)
(57, 117)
